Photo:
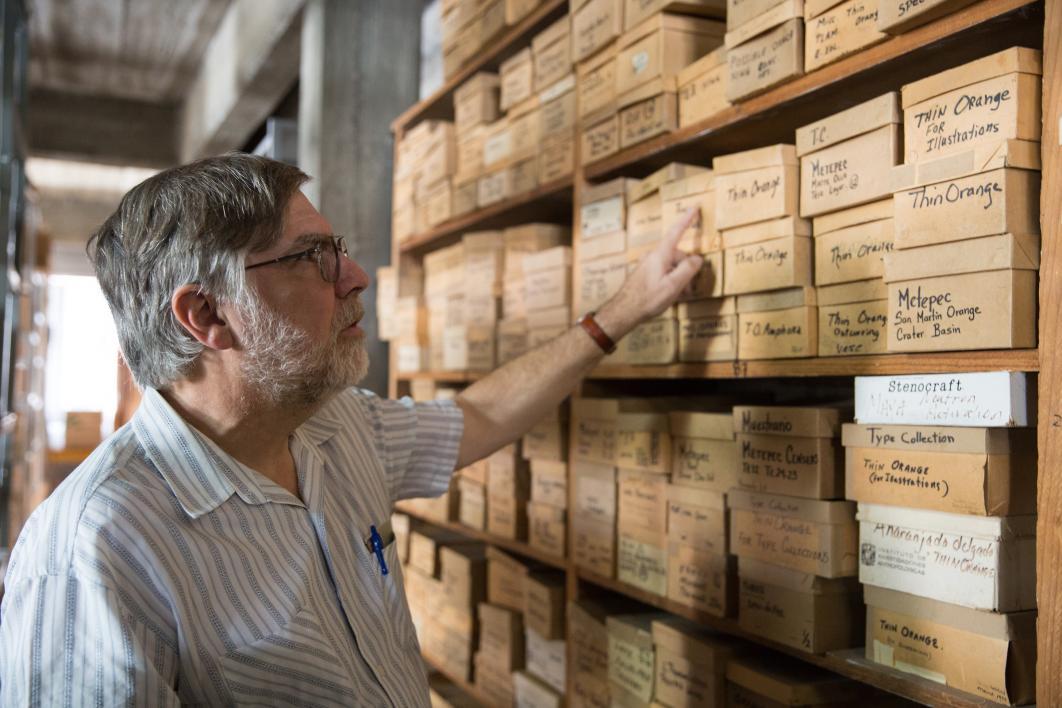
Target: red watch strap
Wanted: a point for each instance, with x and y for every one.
(588, 323)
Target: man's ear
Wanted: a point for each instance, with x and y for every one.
(198, 314)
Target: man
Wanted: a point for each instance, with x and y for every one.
(230, 544)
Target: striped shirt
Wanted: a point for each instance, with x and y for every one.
(163, 571)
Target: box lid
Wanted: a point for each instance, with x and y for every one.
(849, 123)
(513, 326)
(606, 190)
(708, 307)
(791, 421)
(582, 468)
(548, 259)
(770, 156)
(783, 12)
(595, 408)
(997, 625)
(698, 183)
(938, 438)
(790, 681)
(1019, 154)
(675, 172)
(845, 218)
(513, 62)
(786, 227)
(701, 498)
(776, 300)
(689, 640)
(643, 422)
(548, 468)
(602, 57)
(711, 60)
(814, 8)
(556, 32)
(789, 579)
(848, 293)
(1002, 528)
(673, 22)
(648, 90)
(478, 82)
(634, 628)
(1015, 59)
(715, 426)
(816, 510)
(976, 255)
(557, 89)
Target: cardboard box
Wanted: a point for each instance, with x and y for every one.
(648, 111)
(653, 342)
(853, 253)
(642, 559)
(547, 659)
(594, 430)
(595, 87)
(984, 204)
(501, 637)
(851, 172)
(793, 421)
(544, 608)
(530, 692)
(588, 638)
(981, 102)
(993, 399)
(703, 581)
(703, 451)
(517, 79)
(777, 325)
(741, 12)
(497, 686)
(772, 57)
(641, 501)
(507, 517)
(696, 191)
(558, 108)
(530, 238)
(984, 653)
(642, 440)
(425, 545)
(803, 611)
(516, 10)
(506, 580)
(708, 330)
(512, 340)
(756, 185)
(524, 175)
(549, 483)
(595, 25)
(547, 528)
(697, 518)
(464, 576)
(992, 310)
(468, 348)
(661, 46)
(769, 265)
(979, 471)
(810, 468)
(549, 288)
(552, 52)
(476, 101)
(690, 663)
(597, 281)
(557, 159)
(604, 208)
(637, 11)
(547, 440)
(841, 31)
(465, 195)
(983, 562)
(493, 187)
(473, 504)
(631, 657)
(600, 139)
(897, 16)
(853, 328)
(525, 129)
(805, 535)
(594, 545)
(776, 680)
(702, 88)
(594, 491)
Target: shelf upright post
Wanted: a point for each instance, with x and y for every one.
(1049, 425)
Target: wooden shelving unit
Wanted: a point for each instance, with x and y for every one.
(980, 29)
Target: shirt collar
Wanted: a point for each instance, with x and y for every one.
(199, 473)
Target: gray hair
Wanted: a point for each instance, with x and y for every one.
(192, 224)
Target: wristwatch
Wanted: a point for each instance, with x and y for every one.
(590, 325)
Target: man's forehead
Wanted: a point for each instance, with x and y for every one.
(302, 222)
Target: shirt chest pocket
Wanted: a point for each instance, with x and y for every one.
(294, 664)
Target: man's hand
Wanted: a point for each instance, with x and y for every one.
(656, 283)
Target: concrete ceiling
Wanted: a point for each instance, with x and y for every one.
(156, 82)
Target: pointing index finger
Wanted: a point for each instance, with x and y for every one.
(672, 237)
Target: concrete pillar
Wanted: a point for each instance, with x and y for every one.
(358, 71)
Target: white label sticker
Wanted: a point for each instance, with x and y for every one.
(639, 61)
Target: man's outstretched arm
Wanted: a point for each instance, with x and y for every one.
(504, 405)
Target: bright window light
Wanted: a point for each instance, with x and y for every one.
(81, 373)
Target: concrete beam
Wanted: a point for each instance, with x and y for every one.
(99, 129)
(250, 64)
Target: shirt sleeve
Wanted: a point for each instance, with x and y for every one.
(418, 443)
(65, 641)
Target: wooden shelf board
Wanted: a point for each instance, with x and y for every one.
(518, 547)
(469, 689)
(508, 212)
(848, 663)
(772, 117)
(489, 58)
(884, 364)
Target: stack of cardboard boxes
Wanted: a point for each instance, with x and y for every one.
(475, 107)
(402, 315)
(593, 478)
(846, 164)
(967, 229)
(702, 88)
(472, 300)
(601, 245)
(472, 495)
(947, 524)
(518, 331)
(795, 539)
(546, 648)
(547, 513)
(765, 45)
(470, 25)
(508, 491)
(631, 658)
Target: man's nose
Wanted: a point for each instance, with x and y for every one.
(352, 277)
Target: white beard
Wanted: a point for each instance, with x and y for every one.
(283, 367)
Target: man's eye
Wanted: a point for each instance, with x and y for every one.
(310, 254)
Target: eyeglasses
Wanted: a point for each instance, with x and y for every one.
(325, 253)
